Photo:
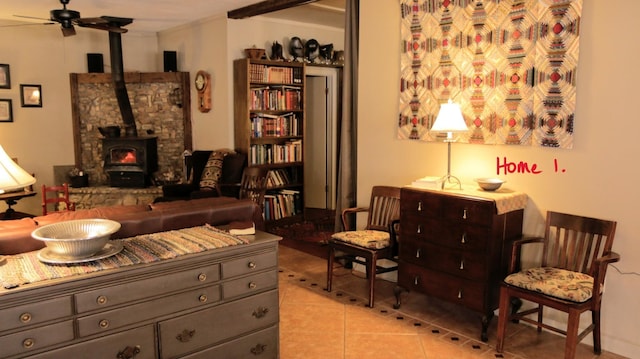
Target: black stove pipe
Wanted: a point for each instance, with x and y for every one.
(117, 74)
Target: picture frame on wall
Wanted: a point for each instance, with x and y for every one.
(31, 95)
(6, 111)
(5, 77)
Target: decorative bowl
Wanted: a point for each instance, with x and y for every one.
(78, 238)
(254, 53)
(489, 184)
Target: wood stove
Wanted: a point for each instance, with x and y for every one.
(130, 161)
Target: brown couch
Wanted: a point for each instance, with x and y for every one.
(15, 235)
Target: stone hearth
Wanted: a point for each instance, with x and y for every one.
(91, 197)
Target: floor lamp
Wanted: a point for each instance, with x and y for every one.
(450, 120)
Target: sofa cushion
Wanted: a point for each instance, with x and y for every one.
(212, 170)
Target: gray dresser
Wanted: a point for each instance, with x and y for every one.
(220, 303)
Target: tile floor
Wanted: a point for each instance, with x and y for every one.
(316, 324)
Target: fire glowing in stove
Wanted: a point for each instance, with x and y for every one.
(123, 156)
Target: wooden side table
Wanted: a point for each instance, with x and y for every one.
(11, 198)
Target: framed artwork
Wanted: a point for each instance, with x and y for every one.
(31, 95)
(5, 77)
(6, 112)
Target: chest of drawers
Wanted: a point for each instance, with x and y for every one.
(202, 305)
(455, 246)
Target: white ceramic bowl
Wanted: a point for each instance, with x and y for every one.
(489, 184)
(80, 238)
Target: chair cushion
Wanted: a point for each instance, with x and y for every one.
(364, 238)
(212, 170)
(560, 283)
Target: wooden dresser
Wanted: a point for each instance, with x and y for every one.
(454, 245)
(220, 303)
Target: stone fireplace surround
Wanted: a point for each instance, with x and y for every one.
(152, 97)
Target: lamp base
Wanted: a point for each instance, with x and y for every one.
(451, 180)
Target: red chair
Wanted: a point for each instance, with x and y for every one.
(56, 198)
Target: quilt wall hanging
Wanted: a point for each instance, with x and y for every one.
(510, 64)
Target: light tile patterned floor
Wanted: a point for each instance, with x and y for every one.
(316, 324)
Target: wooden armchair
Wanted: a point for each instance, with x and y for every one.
(57, 197)
(376, 241)
(254, 184)
(575, 256)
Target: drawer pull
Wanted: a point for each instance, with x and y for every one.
(419, 230)
(415, 280)
(104, 324)
(418, 252)
(202, 298)
(129, 352)
(462, 264)
(25, 317)
(258, 349)
(251, 265)
(460, 294)
(253, 285)
(260, 312)
(102, 299)
(186, 335)
(420, 206)
(464, 213)
(28, 343)
(463, 240)
(202, 277)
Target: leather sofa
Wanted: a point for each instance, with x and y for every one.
(15, 235)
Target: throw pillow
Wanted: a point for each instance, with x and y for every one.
(212, 170)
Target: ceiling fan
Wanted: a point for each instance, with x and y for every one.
(68, 18)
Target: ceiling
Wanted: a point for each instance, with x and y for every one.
(159, 15)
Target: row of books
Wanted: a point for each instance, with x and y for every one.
(280, 177)
(275, 74)
(277, 99)
(284, 203)
(291, 151)
(265, 125)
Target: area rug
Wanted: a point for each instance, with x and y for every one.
(308, 237)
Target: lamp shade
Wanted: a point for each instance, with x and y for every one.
(449, 119)
(12, 176)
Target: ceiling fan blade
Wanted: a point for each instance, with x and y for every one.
(32, 17)
(31, 24)
(105, 27)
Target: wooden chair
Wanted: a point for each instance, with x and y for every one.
(576, 253)
(376, 241)
(253, 184)
(57, 197)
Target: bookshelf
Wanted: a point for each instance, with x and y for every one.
(269, 122)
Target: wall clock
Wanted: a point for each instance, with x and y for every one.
(203, 85)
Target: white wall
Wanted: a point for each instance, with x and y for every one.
(43, 137)
(601, 169)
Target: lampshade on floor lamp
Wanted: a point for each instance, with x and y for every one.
(12, 176)
(450, 120)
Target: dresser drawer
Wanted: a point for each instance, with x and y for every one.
(141, 340)
(420, 203)
(116, 318)
(34, 313)
(469, 265)
(146, 288)
(260, 345)
(210, 326)
(250, 284)
(36, 338)
(444, 286)
(450, 234)
(249, 264)
(465, 210)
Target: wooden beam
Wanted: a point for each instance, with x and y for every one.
(264, 7)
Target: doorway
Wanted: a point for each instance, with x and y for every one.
(320, 145)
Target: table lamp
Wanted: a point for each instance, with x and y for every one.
(12, 176)
(449, 120)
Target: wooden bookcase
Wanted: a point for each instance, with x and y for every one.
(269, 121)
